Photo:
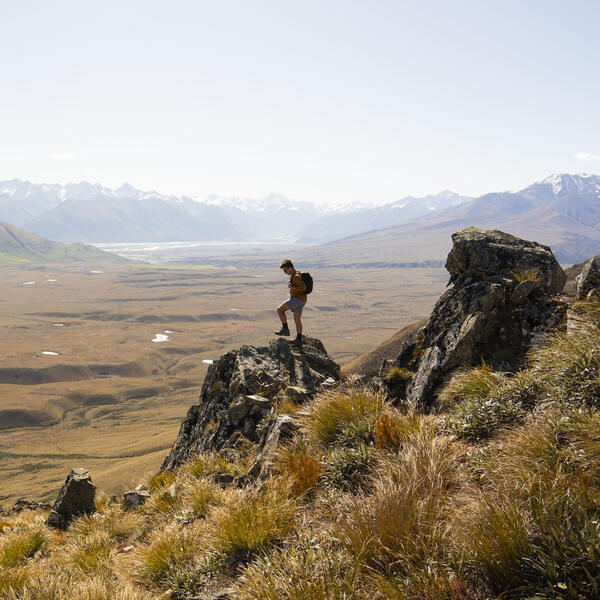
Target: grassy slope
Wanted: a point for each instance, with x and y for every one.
(497, 495)
(18, 246)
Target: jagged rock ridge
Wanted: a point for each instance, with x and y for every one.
(240, 391)
(498, 302)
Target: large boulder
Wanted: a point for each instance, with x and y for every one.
(498, 302)
(239, 390)
(493, 254)
(76, 498)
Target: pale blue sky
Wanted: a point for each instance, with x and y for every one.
(326, 101)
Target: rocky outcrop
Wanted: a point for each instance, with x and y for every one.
(76, 498)
(498, 302)
(240, 390)
(588, 281)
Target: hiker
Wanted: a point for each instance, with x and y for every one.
(296, 302)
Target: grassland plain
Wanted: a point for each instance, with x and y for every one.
(82, 382)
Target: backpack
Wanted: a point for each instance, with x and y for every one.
(308, 281)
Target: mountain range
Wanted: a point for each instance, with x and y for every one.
(562, 211)
(86, 212)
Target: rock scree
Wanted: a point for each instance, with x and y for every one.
(498, 303)
(239, 394)
(76, 497)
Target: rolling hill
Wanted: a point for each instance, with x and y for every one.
(18, 246)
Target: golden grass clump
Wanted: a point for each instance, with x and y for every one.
(394, 428)
(308, 570)
(198, 496)
(19, 545)
(16, 579)
(252, 519)
(298, 461)
(118, 524)
(527, 275)
(533, 525)
(468, 384)
(343, 416)
(91, 553)
(69, 585)
(209, 463)
(569, 365)
(170, 548)
(401, 525)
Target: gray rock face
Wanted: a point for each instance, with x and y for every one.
(239, 390)
(282, 428)
(494, 254)
(485, 312)
(76, 497)
(588, 281)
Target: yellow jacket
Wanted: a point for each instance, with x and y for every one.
(297, 286)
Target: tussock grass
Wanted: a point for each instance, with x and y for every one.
(569, 365)
(300, 462)
(91, 553)
(305, 571)
(401, 525)
(343, 416)
(484, 402)
(21, 544)
(394, 428)
(252, 519)
(14, 580)
(65, 585)
(116, 523)
(170, 549)
(209, 463)
(527, 275)
(348, 469)
(198, 496)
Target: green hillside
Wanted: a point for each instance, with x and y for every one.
(18, 247)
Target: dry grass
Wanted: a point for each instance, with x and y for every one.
(300, 462)
(251, 520)
(343, 416)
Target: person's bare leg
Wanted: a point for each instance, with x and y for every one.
(284, 325)
(281, 312)
(298, 322)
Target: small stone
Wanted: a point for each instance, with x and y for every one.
(135, 498)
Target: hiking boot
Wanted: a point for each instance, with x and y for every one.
(285, 330)
(299, 338)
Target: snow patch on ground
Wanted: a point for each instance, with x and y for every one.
(160, 337)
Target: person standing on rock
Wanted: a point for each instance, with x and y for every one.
(296, 301)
